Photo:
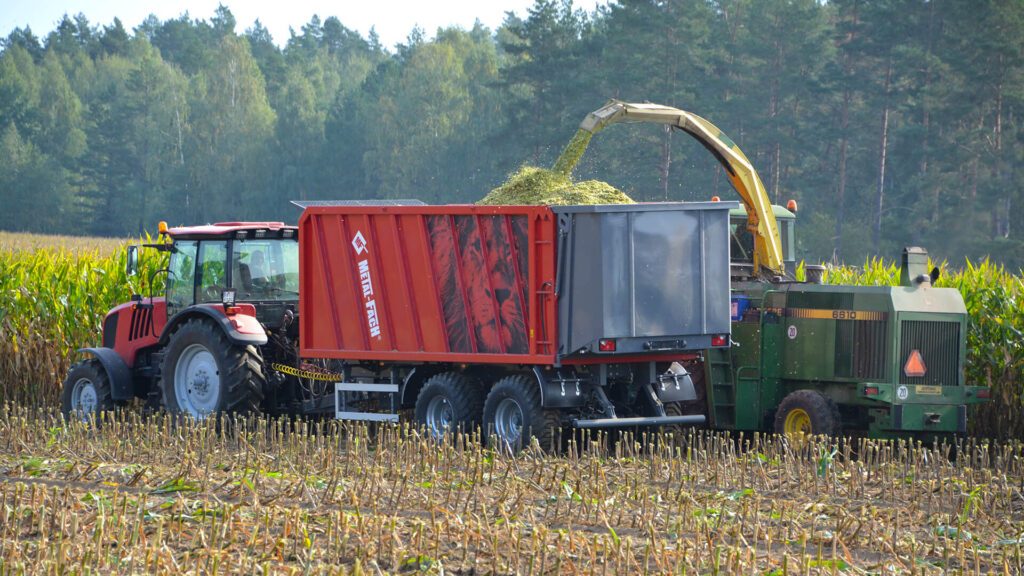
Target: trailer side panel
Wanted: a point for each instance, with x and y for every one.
(440, 283)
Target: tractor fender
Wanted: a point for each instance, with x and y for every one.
(241, 328)
(121, 387)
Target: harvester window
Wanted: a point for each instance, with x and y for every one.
(788, 248)
(213, 256)
(181, 279)
(741, 242)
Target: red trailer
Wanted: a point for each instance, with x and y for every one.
(514, 317)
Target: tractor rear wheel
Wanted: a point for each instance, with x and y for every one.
(86, 391)
(513, 414)
(448, 401)
(205, 373)
(807, 413)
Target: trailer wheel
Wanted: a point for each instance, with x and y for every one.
(448, 401)
(513, 413)
(807, 412)
(86, 391)
(205, 373)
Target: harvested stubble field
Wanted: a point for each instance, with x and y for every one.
(140, 495)
(147, 496)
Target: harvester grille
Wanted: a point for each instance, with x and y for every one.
(939, 344)
(861, 349)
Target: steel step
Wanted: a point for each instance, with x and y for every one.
(366, 416)
(692, 420)
(341, 412)
(362, 387)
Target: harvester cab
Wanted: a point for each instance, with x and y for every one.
(742, 246)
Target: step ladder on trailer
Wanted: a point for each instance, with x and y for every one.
(342, 410)
(723, 388)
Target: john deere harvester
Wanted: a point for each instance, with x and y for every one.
(808, 357)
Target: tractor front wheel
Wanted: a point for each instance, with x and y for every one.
(205, 373)
(807, 413)
(86, 390)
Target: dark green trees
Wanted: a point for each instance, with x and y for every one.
(891, 122)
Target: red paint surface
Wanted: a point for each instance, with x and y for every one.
(428, 283)
(138, 327)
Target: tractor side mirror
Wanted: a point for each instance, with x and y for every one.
(132, 262)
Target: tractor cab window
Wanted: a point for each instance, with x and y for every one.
(213, 256)
(265, 269)
(181, 278)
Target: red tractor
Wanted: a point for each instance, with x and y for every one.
(231, 300)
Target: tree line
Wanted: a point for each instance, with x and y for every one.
(890, 122)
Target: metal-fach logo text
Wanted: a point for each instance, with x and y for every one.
(369, 302)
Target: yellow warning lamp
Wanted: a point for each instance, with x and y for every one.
(162, 226)
(716, 199)
(791, 206)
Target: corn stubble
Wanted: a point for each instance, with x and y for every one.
(330, 498)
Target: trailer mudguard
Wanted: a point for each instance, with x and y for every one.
(560, 392)
(411, 386)
(117, 370)
(242, 328)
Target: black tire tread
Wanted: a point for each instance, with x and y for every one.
(550, 421)
(94, 370)
(818, 406)
(465, 395)
(241, 369)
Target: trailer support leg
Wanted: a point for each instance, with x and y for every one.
(604, 402)
(652, 397)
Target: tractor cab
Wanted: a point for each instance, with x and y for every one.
(258, 261)
(742, 241)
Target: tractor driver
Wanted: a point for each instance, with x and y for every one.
(257, 268)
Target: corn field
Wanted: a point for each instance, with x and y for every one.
(53, 296)
(274, 497)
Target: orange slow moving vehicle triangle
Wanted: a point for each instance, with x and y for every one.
(915, 368)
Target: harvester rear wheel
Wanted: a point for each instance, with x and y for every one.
(676, 431)
(513, 414)
(449, 401)
(807, 413)
(86, 391)
(205, 373)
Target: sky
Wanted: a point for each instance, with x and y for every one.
(392, 19)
